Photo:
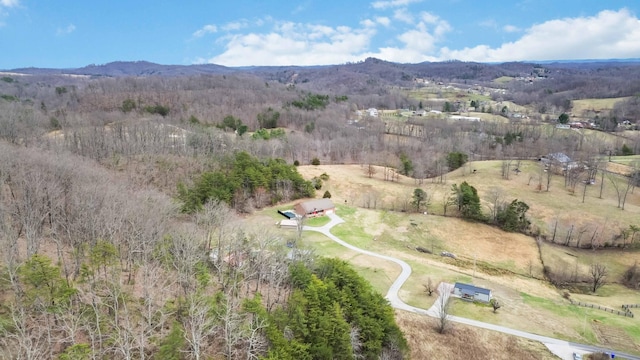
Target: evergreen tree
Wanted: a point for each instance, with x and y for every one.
(466, 198)
(172, 346)
(419, 197)
(513, 217)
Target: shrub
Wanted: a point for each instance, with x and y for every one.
(456, 160)
(317, 183)
(324, 176)
(128, 105)
(54, 123)
(157, 109)
(296, 163)
(315, 161)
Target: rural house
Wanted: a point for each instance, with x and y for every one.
(313, 208)
(470, 292)
(559, 163)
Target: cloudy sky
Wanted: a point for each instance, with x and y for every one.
(75, 33)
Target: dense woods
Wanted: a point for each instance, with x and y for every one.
(119, 199)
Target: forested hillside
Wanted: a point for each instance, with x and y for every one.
(123, 190)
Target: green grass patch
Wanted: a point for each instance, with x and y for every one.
(503, 79)
(379, 279)
(353, 235)
(345, 211)
(317, 221)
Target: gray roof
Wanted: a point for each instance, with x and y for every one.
(317, 205)
(476, 289)
(560, 157)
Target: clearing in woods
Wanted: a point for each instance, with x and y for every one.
(510, 264)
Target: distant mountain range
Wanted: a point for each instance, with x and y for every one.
(365, 71)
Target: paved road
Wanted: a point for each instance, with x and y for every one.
(562, 348)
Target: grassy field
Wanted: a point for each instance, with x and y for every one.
(503, 79)
(464, 342)
(509, 264)
(578, 107)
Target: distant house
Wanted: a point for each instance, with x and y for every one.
(467, 118)
(470, 292)
(559, 162)
(313, 208)
(420, 112)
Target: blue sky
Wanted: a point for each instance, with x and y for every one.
(75, 33)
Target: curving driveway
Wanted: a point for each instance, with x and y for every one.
(563, 349)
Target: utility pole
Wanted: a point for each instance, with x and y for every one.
(475, 255)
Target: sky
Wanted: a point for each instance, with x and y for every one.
(76, 33)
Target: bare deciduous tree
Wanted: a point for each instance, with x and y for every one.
(495, 304)
(442, 308)
(428, 287)
(598, 273)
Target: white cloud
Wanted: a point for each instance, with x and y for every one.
(296, 44)
(207, 29)
(489, 23)
(291, 43)
(66, 30)
(609, 34)
(384, 21)
(510, 28)
(9, 3)
(235, 25)
(382, 4)
(403, 15)
(418, 44)
(368, 23)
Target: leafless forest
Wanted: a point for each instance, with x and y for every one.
(98, 261)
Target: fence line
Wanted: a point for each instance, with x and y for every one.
(626, 313)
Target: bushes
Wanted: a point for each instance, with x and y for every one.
(631, 277)
(157, 109)
(456, 160)
(312, 102)
(245, 178)
(513, 217)
(317, 183)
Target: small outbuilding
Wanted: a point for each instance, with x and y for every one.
(313, 208)
(288, 224)
(473, 293)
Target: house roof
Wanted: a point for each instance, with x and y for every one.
(476, 289)
(560, 157)
(289, 222)
(317, 205)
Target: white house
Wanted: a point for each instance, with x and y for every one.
(470, 292)
(373, 112)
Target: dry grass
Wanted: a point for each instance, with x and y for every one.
(507, 263)
(463, 342)
(578, 107)
(350, 183)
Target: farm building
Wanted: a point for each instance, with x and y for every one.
(313, 208)
(288, 224)
(559, 163)
(470, 292)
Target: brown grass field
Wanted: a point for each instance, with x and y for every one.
(463, 342)
(578, 107)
